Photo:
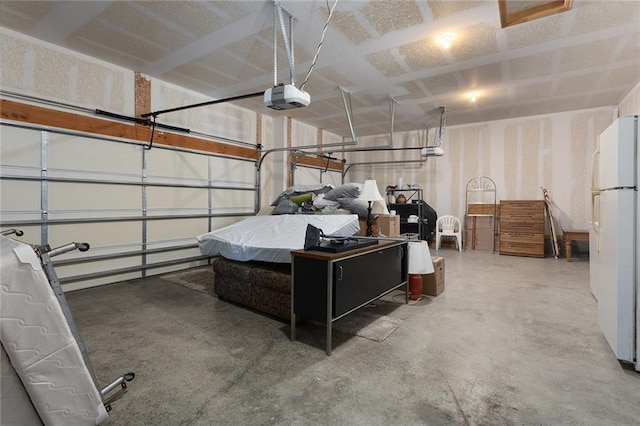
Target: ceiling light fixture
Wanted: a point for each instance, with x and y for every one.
(473, 96)
(445, 40)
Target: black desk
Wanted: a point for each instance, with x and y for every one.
(327, 286)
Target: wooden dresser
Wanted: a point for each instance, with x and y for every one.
(522, 227)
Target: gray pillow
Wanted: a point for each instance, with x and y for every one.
(348, 190)
(286, 207)
(355, 205)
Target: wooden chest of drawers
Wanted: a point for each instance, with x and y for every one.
(522, 227)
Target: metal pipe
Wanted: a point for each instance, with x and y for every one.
(373, 148)
(117, 219)
(301, 148)
(201, 104)
(369, 163)
(99, 258)
(115, 182)
(85, 277)
(348, 110)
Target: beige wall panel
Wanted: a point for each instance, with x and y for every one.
(307, 176)
(96, 158)
(511, 162)
(19, 148)
(224, 119)
(161, 200)
(585, 129)
(303, 134)
(158, 230)
(39, 68)
(332, 178)
(93, 200)
(177, 167)
(630, 105)
(98, 235)
(529, 147)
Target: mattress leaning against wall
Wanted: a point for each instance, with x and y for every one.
(40, 345)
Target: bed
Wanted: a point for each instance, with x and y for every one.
(251, 258)
(271, 238)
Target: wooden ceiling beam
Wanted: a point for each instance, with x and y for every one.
(508, 19)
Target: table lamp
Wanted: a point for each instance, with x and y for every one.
(370, 194)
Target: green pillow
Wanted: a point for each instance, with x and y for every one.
(299, 199)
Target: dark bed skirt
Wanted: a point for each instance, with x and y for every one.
(259, 285)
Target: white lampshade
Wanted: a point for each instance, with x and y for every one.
(419, 258)
(370, 191)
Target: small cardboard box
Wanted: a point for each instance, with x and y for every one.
(433, 284)
(383, 224)
(363, 228)
(479, 233)
(389, 225)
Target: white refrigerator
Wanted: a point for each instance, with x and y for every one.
(614, 243)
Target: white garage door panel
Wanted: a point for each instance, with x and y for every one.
(158, 230)
(19, 148)
(233, 172)
(232, 201)
(20, 196)
(161, 198)
(96, 234)
(175, 166)
(92, 200)
(94, 156)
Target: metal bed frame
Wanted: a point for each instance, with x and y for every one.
(117, 387)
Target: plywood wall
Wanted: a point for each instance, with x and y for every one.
(520, 155)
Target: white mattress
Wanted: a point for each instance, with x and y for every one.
(38, 341)
(271, 238)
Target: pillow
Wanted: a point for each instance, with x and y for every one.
(286, 207)
(355, 205)
(301, 189)
(320, 202)
(348, 190)
(299, 199)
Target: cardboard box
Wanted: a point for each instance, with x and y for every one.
(363, 228)
(479, 233)
(389, 225)
(433, 284)
(385, 224)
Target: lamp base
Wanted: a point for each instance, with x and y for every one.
(415, 286)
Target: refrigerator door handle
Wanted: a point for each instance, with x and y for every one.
(595, 192)
(594, 156)
(595, 218)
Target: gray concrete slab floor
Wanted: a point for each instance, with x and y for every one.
(512, 340)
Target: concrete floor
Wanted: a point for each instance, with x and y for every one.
(511, 341)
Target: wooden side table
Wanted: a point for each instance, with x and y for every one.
(573, 235)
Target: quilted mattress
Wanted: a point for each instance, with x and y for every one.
(43, 352)
(271, 238)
